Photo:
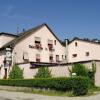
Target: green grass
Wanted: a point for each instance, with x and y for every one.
(94, 90)
(52, 93)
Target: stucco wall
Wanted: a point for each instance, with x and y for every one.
(56, 71)
(44, 34)
(81, 49)
(60, 71)
(5, 39)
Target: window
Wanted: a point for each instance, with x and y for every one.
(74, 55)
(65, 57)
(55, 42)
(75, 44)
(51, 58)
(62, 56)
(25, 55)
(37, 42)
(50, 44)
(57, 58)
(38, 58)
(87, 53)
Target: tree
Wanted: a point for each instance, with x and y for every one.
(79, 69)
(43, 72)
(16, 73)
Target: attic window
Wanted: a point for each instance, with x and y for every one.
(55, 42)
(74, 55)
(75, 44)
(87, 53)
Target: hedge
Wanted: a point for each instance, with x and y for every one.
(79, 85)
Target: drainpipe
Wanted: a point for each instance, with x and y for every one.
(66, 49)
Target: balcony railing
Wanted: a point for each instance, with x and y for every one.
(50, 46)
(38, 46)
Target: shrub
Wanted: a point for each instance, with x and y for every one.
(43, 72)
(79, 69)
(91, 73)
(16, 73)
(79, 85)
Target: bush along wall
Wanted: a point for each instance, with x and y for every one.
(78, 85)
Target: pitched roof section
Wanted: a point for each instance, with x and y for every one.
(24, 34)
(92, 42)
(8, 34)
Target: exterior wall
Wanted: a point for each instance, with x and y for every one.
(81, 49)
(56, 71)
(97, 75)
(60, 71)
(44, 34)
(5, 39)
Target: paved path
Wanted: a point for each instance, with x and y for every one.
(6, 95)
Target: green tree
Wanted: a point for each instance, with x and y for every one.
(16, 73)
(43, 72)
(79, 69)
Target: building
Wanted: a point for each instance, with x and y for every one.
(33, 48)
(82, 50)
(39, 46)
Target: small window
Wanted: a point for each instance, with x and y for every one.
(74, 55)
(38, 58)
(75, 44)
(65, 57)
(51, 58)
(55, 42)
(62, 56)
(57, 58)
(87, 53)
(25, 56)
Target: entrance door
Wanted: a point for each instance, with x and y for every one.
(5, 75)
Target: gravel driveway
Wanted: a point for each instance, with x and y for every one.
(6, 95)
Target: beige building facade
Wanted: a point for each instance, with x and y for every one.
(39, 46)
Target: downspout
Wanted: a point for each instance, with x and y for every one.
(66, 50)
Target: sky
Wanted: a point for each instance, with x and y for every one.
(66, 18)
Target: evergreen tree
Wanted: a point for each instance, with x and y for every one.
(43, 72)
(16, 73)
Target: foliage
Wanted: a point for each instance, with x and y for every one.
(43, 72)
(81, 86)
(91, 73)
(79, 69)
(16, 73)
(77, 85)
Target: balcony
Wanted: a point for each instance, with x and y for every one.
(50, 46)
(38, 46)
